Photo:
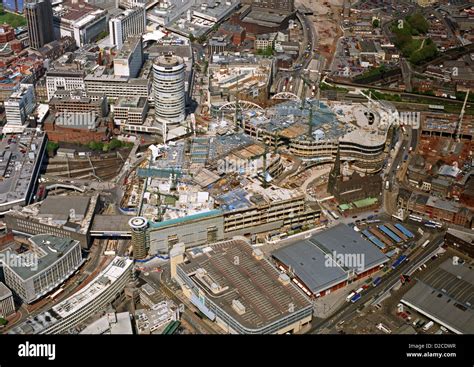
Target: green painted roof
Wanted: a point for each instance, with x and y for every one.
(365, 202)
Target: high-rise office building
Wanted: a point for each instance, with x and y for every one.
(169, 91)
(7, 306)
(39, 16)
(129, 60)
(131, 22)
(19, 105)
(139, 227)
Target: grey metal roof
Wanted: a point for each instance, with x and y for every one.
(425, 299)
(446, 295)
(309, 262)
(344, 240)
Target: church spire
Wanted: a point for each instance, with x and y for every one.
(335, 172)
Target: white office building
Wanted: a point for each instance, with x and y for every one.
(169, 91)
(129, 60)
(47, 262)
(69, 80)
(7, 306)
(17, 108)
(131, 22)
(88, 301)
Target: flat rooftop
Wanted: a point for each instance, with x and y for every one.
(254, 283)
(57, 212)
(20, 154)
(46, 247)
(111, 223)
(313, 262)
(308, 262)
(74, 10)
(446, 295)
(61, 206)
(39, 323)
(251, 193)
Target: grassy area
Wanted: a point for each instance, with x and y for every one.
(100, 146)
(410, 41)
(15, 20)
(372, 72)
(324, 86)
(449, 107)
(265, 52)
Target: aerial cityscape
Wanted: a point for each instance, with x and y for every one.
(237, 167)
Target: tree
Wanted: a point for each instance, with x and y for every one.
(376, 23)
(95, 145)
(51, 148)
(115, 144)
(418, 23)
(191, 37)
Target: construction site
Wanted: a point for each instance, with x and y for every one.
(326, 19)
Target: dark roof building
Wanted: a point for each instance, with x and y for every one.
(446, 296)
(329, 259)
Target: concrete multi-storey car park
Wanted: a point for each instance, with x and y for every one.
(21, 156)
(244, 296)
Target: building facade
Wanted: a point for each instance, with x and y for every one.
(20, 105)
(57, 259)
(115, 87)
(169, 91)
(68, 80)
(130, 110)
(130, 23)
(129, 60)
(7, 306)
(90, 300)
(79, 102)
(39, 17)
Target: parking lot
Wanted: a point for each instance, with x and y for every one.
(395, 317)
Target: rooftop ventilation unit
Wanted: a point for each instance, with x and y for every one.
(258, 254)
(238, 307)
(284, 279)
